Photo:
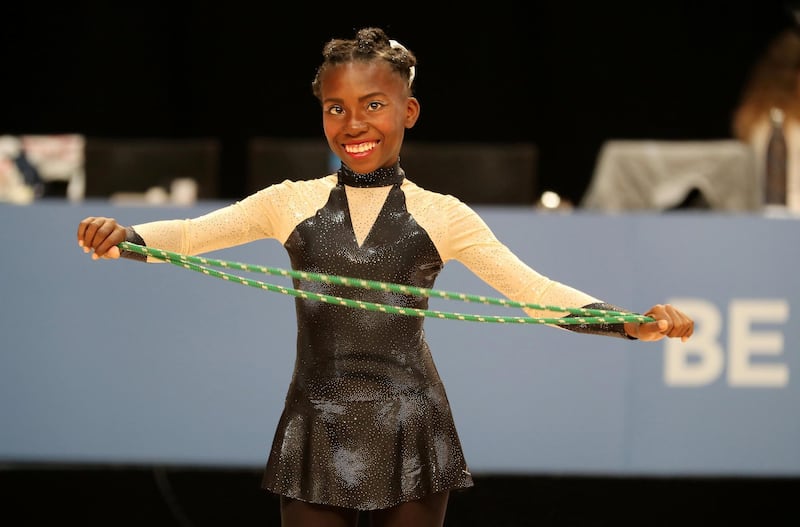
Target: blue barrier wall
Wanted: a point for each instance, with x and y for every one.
(121, 362)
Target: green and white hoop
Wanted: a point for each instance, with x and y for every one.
(203, 265)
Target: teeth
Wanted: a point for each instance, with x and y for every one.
(359, 148)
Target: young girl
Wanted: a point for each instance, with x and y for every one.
(366, 424)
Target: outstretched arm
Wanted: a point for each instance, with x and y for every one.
(470, 241)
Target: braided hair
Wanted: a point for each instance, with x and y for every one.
(369, 44)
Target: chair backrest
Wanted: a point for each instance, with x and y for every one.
(477, 173)
(136, 165)
(272, 160)
(664, 175)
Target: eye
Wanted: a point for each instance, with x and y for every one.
(375, 105)
(334, 109)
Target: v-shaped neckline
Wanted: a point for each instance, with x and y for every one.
(358, 199)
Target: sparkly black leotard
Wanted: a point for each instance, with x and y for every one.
(366, 422)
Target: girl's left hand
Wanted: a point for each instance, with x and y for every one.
(669, 322)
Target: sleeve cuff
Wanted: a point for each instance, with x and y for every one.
(132, 236)
(609, 330)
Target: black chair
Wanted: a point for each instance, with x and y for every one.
(136, 165)
(477, 173)
(272, 160)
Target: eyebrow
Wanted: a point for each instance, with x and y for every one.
(362, 98)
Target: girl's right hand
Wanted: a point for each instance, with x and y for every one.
(100, 236)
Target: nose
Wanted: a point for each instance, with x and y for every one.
(356, 123)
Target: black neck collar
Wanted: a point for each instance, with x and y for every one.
(382, 177)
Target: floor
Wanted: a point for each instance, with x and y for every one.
(188, 497)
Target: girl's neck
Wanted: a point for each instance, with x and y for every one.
(381, 177)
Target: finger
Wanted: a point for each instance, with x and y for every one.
(95, 234)
(111, 254)
(86, 230)
(651, 331)
(682, 325)
(110, 240)
(688, 329)
(100, 235)
(82, 231)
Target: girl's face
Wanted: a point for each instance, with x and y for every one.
(366, 108)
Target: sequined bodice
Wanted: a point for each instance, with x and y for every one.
(354, 354)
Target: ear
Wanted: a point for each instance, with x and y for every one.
(412, 112)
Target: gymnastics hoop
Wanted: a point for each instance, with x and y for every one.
(203, 265)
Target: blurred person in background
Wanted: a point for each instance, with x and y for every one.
(774, 84)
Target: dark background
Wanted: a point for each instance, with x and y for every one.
(563, 75)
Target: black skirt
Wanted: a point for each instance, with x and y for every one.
(370, 454)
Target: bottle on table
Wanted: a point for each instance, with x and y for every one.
(775, 174)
